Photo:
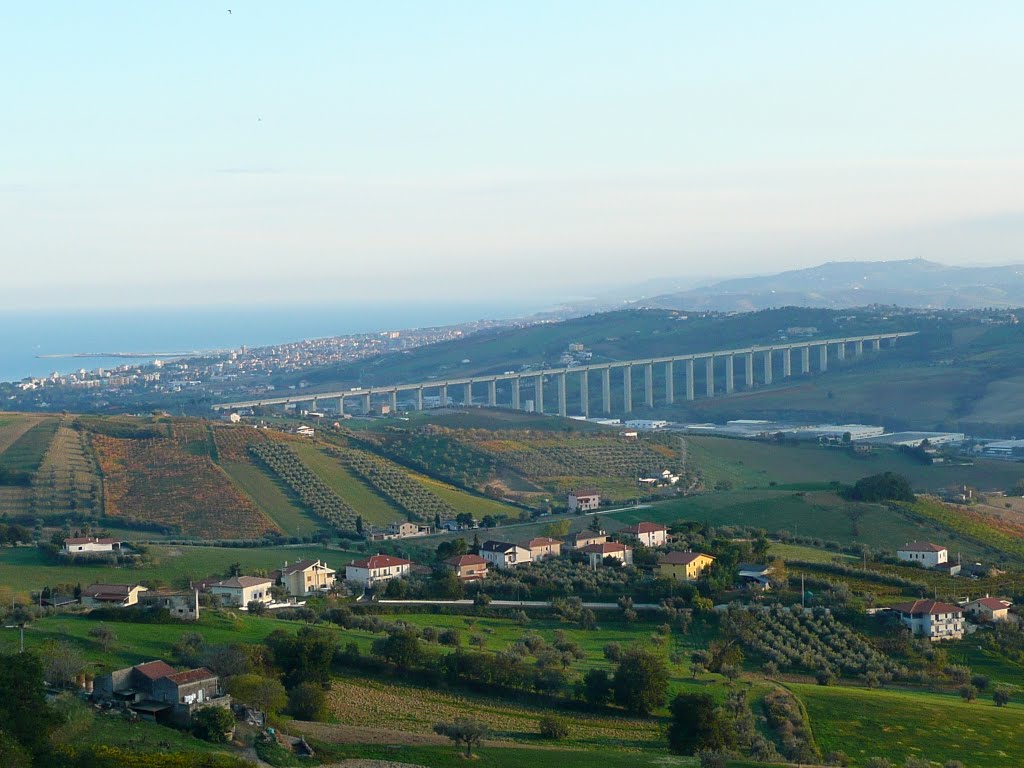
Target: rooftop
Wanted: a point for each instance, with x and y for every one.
(921, 546)
(924, 607)
(682, 558)
(379, 561)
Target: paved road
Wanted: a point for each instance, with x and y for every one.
(538, 521)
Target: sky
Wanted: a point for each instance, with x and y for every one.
(191, 153)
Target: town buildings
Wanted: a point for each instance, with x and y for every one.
(155, 691)
(597, 553)
(988, 609)
(542, 547)
(468, 567)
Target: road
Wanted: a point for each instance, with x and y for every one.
(520, 604)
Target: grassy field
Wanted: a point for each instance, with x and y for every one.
(26, 453)
(478, 506)
(808, 554)
(23, 569)
(898, 724)
(819, 514)
(374, 508)
(13, 426)
(273, 497)
(750, 463)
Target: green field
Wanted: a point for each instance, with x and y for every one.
(808, 554)
(478, 506)
(818, 514)
(751, 463)
(274, 498)
(23, 569)
(374, 508)
(26, 453)
(898, 724)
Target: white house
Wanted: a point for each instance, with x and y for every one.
(596, 553)
(242, 590)
(584, 501)
(927, 554)
(90, 544)
(931, 619)
(378, 569)
(503, 555)
(648, 534)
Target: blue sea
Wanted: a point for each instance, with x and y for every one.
(25, 335)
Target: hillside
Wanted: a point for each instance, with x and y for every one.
(910, 283)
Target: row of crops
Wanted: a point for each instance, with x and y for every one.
(439, 455)
(416, 501)
(810, 640)
(592, 457)
(311, 490)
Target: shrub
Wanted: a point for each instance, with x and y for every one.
(968, 692)
(1002, 695)
(213, 724)
(307, 702)
(552, 727)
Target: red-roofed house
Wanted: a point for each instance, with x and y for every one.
(542, 547)
(932, 619)
(648, 534)
(924, 553)
(468, 567)
(378, 569)
(86, 545)
(989, 609)
(155, 691)
(596, 553)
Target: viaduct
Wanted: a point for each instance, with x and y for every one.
(512, 382)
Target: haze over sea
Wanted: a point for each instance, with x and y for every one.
(24, 335)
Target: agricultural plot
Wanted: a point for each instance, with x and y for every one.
(26, 453)
(232, 443)
(897, 724)
(416, 500)
(13, 426)
(154, 482)
(461, 501)
(361, 702)
(374, 508)
(68, 479)
(275, 498)
(314, 493)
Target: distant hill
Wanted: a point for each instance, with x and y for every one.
(911, 283)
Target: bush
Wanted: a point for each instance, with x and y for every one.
(1002, 695)
(307, 702)
(968, 692)
(213, 724)
(552, 727)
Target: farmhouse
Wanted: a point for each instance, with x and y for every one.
(922, 552)
(503, 555)
(685, 566)
(583, 501)
(596, 553)
(111, 595)
(989, 609)
(242, 590)
(648, 534)
(378, 569)
(306, 577)
(542, 547)
(468, 567)
(931, 619)
(89, 544)
(155, 691)
(585, 539)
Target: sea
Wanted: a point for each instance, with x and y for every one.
(24, 336)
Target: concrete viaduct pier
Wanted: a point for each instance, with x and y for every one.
(525, 390)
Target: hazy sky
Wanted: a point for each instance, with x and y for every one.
(175, 152)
